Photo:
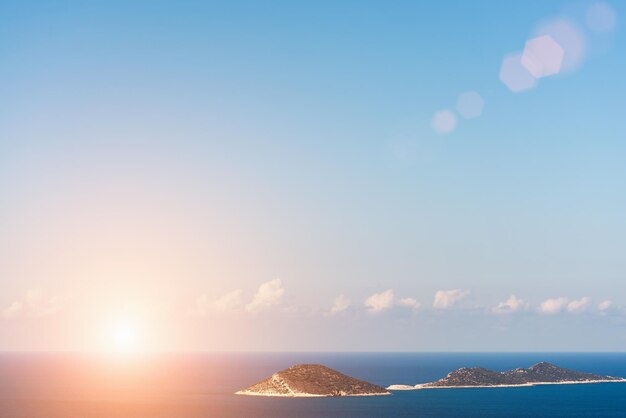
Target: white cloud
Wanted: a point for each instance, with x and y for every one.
(13, 310)
(35, 304)
(231, 301)
(447, 298)
(268, 295)
(577, 306)
(553, 306)
(511, 305)
(340, 304)
(605, 305)
(379, 302)
(409, 303)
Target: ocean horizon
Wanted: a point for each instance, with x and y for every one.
(193, 385)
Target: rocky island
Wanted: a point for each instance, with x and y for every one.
(310, 380)
(539, 374)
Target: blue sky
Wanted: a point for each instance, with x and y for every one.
(156, 156)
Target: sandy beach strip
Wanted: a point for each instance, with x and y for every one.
(572, 382)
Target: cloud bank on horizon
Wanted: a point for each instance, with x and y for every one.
(269, 297)
(268, 303)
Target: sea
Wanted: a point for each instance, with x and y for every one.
(195, 385)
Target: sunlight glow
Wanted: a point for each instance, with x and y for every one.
(124, 336)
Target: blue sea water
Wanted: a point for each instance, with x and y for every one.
(202, 385)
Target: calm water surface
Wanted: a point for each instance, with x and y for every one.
(202, 385)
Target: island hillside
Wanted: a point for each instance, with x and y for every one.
(541, 373)
(312, 380)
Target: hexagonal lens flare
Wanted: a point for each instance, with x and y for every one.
(600, 17)
(444, 122)
(470, 104)
(542, 56)
(570, 38)
(514, 75)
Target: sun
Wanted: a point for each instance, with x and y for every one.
(124, 335)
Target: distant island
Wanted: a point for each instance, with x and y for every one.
(312, 380)
(539, 374)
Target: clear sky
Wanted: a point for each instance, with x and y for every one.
(180, 175)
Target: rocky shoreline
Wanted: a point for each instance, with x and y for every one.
(539, 374)
(424, 386)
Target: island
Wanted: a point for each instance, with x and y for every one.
(312, 380)
(540, 374)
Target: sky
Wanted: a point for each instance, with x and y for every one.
(312, 176)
